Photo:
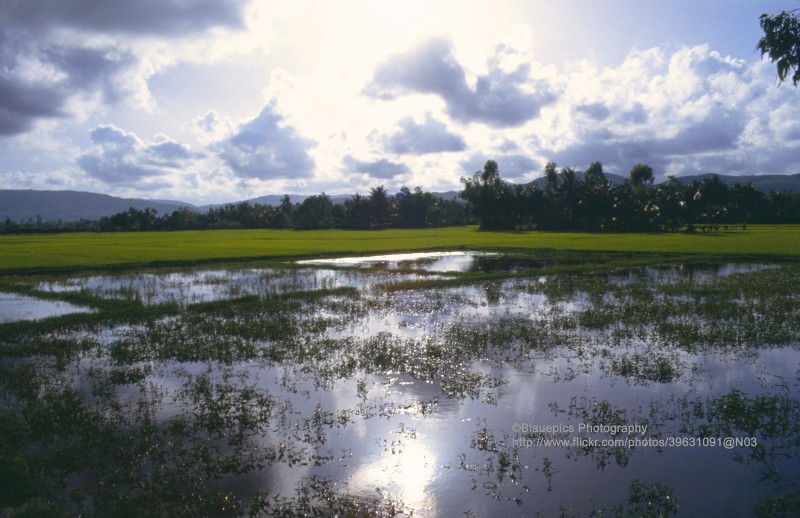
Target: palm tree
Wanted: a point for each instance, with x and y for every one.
(568, 194)
(381, 205)
(594, 209)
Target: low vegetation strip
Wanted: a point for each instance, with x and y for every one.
(22, 253)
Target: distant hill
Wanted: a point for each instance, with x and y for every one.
(613, 179)
(765, 183)
(22, 205)
(275, 200)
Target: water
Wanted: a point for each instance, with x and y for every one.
(15, 307)
(191, 287)
(422, 396)
(438, 262)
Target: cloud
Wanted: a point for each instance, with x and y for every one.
(40, 81)
(85, 69)
(595, 111)
(383, 168)
(208, 123)
(165, 152)
(266, 148)
(26, 91)
(513, 167)
(56, 53)
(162, 17)
(120, 157)
(431, 136)
(681, 113)
(499, 99)
(22, 104)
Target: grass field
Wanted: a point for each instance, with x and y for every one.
(24, 253)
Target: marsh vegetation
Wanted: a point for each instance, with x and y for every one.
(397, 386)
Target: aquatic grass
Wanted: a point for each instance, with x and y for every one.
(644, 368)
(179, 408)
(322, 497)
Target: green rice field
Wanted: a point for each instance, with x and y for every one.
(91, 250)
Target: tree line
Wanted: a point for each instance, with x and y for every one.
(378, 209)
(562, 200)
(588, 201)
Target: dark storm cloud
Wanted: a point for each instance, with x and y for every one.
(162, 17)
(119, 157)
(497, 100)
(383, 168)
(431, 136)
(266, 149)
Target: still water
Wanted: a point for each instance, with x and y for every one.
(666, 389)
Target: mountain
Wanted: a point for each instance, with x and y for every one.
(764, 183)
(337, 199)
(613, 179)
(22, 205)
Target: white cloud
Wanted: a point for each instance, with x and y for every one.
(280, 94)
(683, 113)
(430, 136)
(500, 98)
(267, 148)
(381, 169)
(120, 157)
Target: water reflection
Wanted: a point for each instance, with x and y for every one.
(439, 262)
(405, 468)
(430, 261)
(15, 307)
(190, 287)
(416, 394)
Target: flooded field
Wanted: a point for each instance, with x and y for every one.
(14, 307)
(442, 384)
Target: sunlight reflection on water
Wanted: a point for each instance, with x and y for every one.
(15, 307)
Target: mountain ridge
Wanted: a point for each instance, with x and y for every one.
(22, 205)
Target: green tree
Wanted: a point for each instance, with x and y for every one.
(358, 212)
(417, 209)
(781, 42)
(551, 177)
(746, 204)
(670, 205)
(568, 196)
(594, 208)
(381, 205)
(315, 212)
(641, 174)
(545, 206)
(490, 198)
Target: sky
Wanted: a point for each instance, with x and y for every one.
(212, 101)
